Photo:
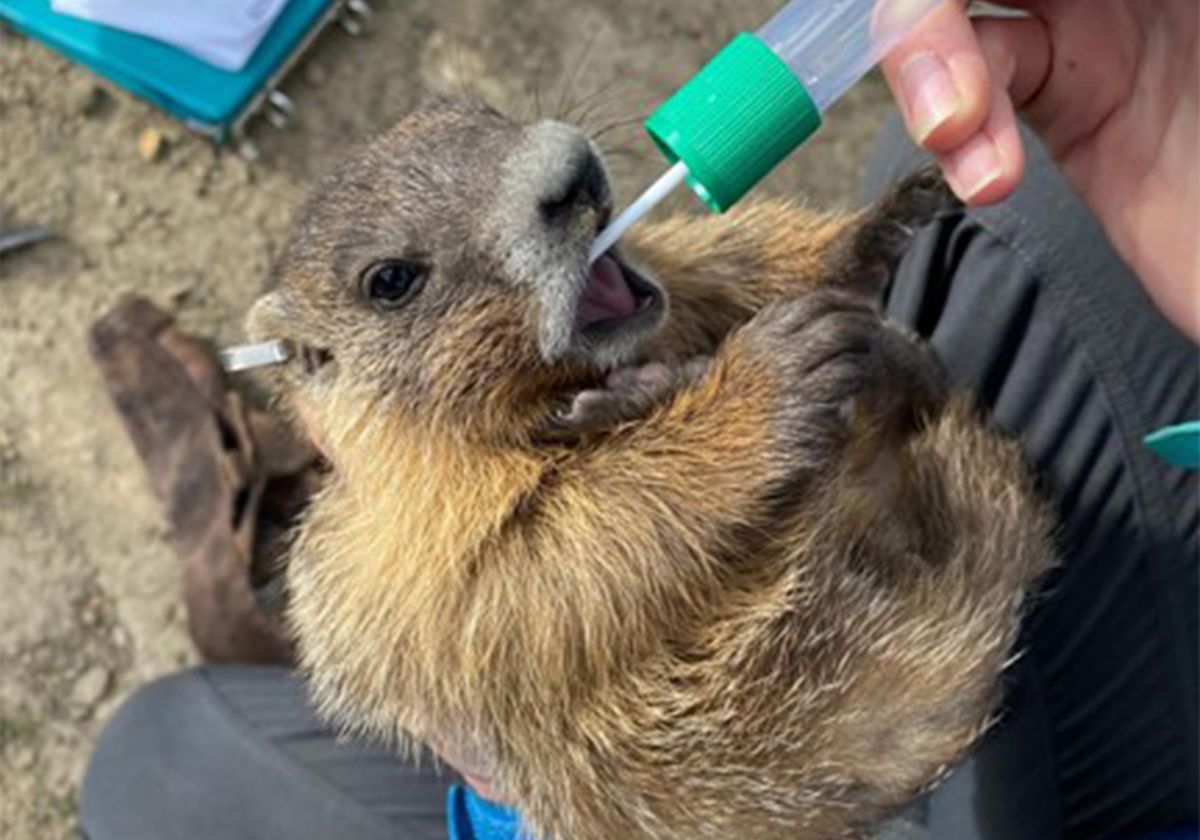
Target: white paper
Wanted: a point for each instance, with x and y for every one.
(223, 33)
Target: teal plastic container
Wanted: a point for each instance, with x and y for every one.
(206, 98)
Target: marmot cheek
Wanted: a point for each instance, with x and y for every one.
(309, 416)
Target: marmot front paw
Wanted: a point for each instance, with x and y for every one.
(832, 357)
(628, 394)
(817, 347)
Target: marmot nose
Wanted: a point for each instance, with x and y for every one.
(583, 184)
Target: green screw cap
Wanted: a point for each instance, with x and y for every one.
(734, 121)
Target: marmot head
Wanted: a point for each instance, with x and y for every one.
(446, 265)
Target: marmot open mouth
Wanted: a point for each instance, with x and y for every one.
(614, 294)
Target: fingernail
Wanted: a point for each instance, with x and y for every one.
(975, 166)
(930, 92)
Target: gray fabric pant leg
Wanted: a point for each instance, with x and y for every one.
(233, 752)
(1027, 305)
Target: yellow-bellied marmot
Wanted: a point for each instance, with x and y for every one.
(688, 544)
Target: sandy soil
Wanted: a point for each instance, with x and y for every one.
(89, 604)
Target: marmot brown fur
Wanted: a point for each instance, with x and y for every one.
(690, 544)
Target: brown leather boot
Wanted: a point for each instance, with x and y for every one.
(233, 479)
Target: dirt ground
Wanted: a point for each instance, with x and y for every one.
(89, 591)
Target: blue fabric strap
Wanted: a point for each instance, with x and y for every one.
(471, 817)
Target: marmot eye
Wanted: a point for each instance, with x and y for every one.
(390, 284)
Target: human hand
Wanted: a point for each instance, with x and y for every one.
(1111, 86)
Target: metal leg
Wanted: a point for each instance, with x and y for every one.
(282, 101)
(361, 8)
(355, 17)
(247, 151)
(279, 109)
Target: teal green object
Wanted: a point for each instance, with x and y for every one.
(207, 98)
(734, 121)
(1178, 445)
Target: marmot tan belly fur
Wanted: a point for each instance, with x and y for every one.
(690, 544)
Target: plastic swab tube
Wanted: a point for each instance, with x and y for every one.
(657, 191)
(762, 96)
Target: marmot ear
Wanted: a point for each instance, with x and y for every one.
(273, 316)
